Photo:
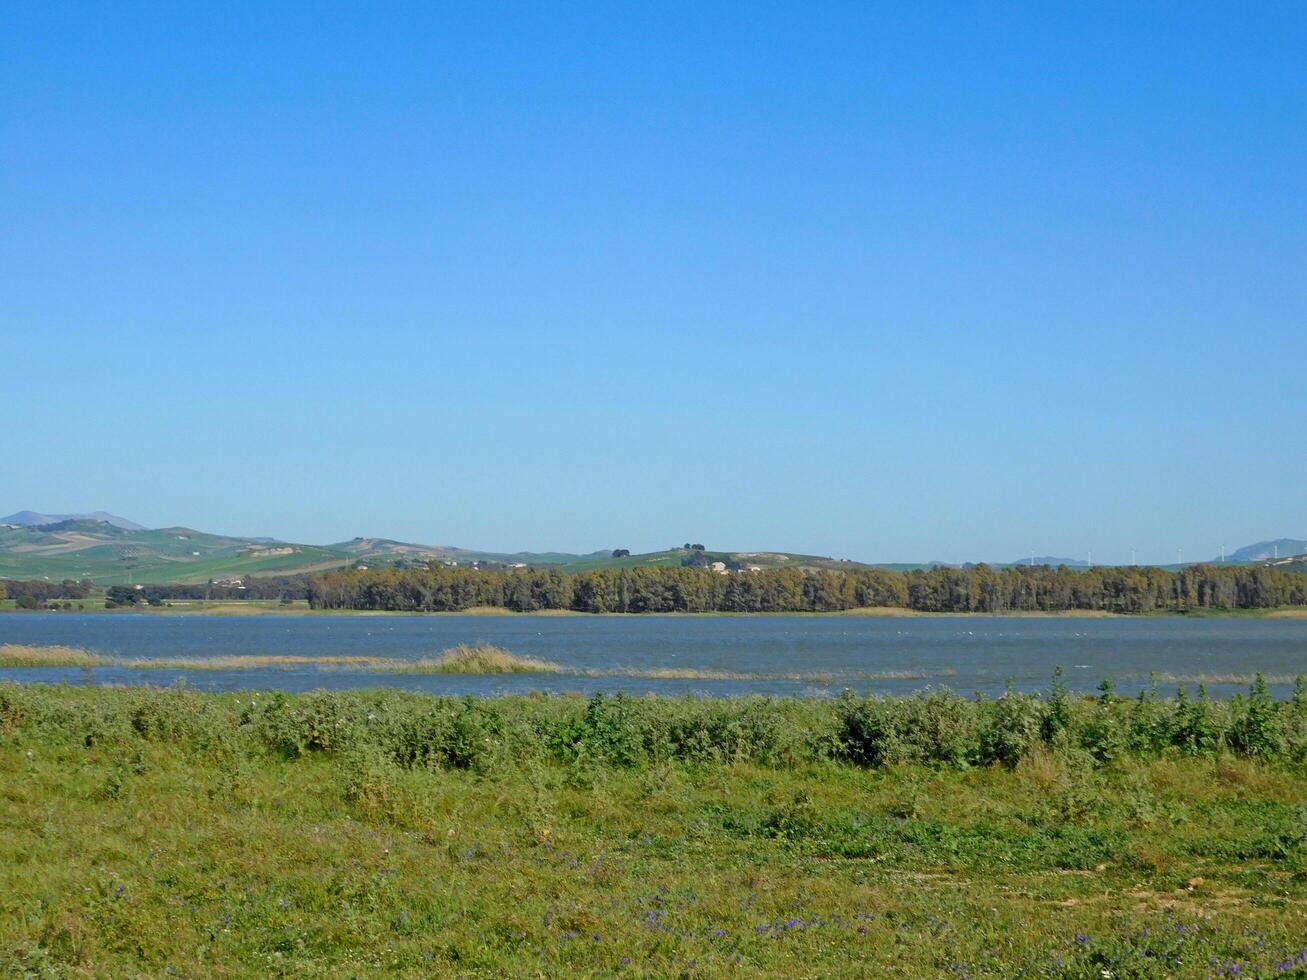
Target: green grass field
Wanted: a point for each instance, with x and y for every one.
(109, 568)
(150, 833)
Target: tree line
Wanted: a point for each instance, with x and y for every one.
(251, 587)
(970, 588)
(43, 591)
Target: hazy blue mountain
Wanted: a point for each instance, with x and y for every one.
(1050, 560)
(30, 518)
(1265, 550)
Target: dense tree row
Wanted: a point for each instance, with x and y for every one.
(43, 591)
(971, 588)
(251, 587)
(263, 587)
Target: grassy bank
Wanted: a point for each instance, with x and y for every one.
(369, 834)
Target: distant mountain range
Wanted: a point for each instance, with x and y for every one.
(1049, 560)
(1269, 550)
(112, 550)
(30, 518)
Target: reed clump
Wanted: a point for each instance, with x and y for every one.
(248, 662)
(476, 658)
(24, 655)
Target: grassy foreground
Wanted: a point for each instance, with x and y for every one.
(148, 832)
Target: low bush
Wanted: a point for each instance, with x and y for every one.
(934, 727)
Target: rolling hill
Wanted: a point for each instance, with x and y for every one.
(30, 518)
(109, 553)
(111, 550)
(1268, 550)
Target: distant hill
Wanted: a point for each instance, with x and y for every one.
(30, 518)
(61, 546)
(1267, 550)
(112, 550)
(1050, 560)
(111, 555)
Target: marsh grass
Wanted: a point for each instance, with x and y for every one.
(1215, 678)
(479, 658)
(247, 662)
(715, 674)
(476, 658)
(23, 655)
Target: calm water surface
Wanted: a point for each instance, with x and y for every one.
(803, 655)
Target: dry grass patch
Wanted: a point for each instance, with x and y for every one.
(477, 658)
(484, 611)
(246, 662)
(1217, 678)
(22, 655)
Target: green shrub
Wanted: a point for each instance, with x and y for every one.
(1255, 727)
(1102, 731)
(1196, 729)
(1014, 725)
(1057, 717)
(1150, 723)
(1295, 724)
(935, 727)
(181, 716)
(607, 732)
(418, 732)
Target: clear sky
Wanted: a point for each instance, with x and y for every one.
(889, 282)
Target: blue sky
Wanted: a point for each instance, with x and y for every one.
(890, 282)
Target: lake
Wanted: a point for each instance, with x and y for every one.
(777, 655)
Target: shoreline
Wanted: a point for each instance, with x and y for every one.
(257, 608)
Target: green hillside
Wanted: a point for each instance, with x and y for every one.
(674, 557)
(112, 555)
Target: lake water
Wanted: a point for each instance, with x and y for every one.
(793, 655)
